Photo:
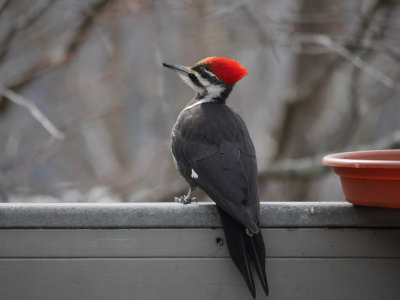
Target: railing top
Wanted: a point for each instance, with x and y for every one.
(201, 215)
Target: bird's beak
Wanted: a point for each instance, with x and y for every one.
(178, 68)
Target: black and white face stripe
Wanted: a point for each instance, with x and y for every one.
(209, 87)
(195, 80)
(206, 74)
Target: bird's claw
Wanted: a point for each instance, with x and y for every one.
(185, 199)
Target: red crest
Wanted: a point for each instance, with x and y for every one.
(226, 69)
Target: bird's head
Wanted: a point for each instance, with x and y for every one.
(212, 77)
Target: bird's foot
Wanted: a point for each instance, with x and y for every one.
(185, 199)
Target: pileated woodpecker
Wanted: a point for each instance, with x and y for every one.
(213, 150)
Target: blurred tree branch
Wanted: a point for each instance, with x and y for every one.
(66, 53)
(22, 22)
(349, 56)
(228, 9)
(311, 167)
(86, 25)
(66, 137)
(346, 50)
(34, 110)
(4, 5)
(353, 116)
(318, 84)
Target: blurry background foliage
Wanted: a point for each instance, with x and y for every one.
(86, 108)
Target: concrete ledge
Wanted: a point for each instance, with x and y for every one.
(202, 215)
(156, 251)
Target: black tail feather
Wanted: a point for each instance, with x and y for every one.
(243, 249)
(257, 255)
(237, 246)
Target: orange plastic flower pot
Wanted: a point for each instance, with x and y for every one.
(369, 178)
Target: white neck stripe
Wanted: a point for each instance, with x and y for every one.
(198, 102)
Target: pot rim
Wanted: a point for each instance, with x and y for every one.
(352, 160)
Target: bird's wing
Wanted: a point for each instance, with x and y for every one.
(229, 177)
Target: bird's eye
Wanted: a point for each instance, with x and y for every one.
(201, 71)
